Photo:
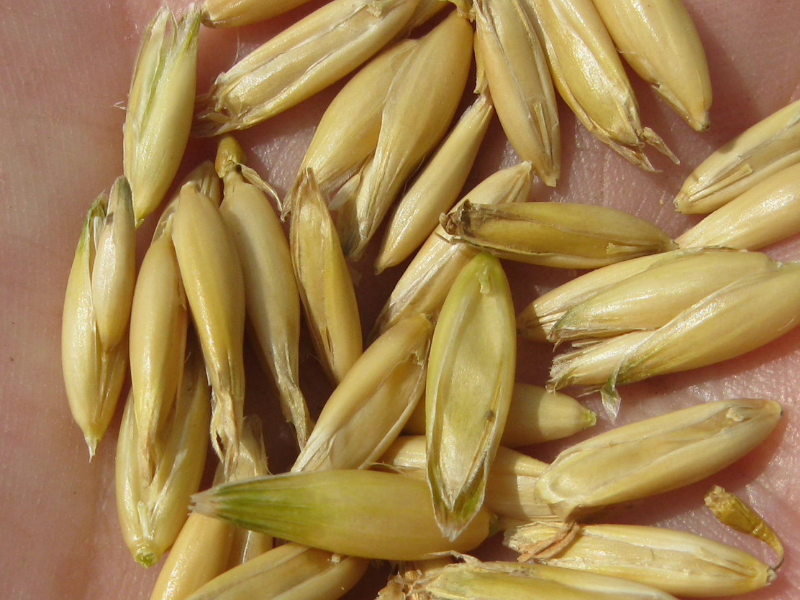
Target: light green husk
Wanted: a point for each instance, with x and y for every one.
(675, 561)
(160, 106)
(152, 509)
(659, 41)
(437, 69)
(355, 512)
(512, 63)
(302, 60)
(766, 213)
(271, 297)
(555, 234)
(368, 409)
(426, 281)
(470, 379)
(767, 147)
(655, 455)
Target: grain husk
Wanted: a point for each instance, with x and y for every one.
(555, 234)
(660, 42)
(723, 325)
(288, 572)
(93, 373)
(158, 118)
(214, 284)
(368, 409)
(767, 147)
(511, 581)
(272, 300)
(468, 393)
(766, 213)
(655, 455)
(649, 300)
(302, 60)
(510, 58)
(590, 77)
(410, 129)
(347, 133)
(677, 562)
(436, 188)
(152, 508)
(159, 326)
(324, 282)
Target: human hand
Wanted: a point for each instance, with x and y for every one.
(65, 68)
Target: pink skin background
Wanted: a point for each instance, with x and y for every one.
(65, 69)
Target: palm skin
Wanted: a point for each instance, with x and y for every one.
(65, 67)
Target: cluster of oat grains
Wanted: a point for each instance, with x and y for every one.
(441, 358)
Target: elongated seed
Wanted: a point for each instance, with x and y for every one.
(537, 319)
(766, 213)
(160, 107)
(511, 581)
(324, 282)
(159, 325)
(114, 267)
(555, 234)
(650, 299)
(307, 57)
(425, 283)
(660, 42)
(511, 60)
(212, 277)
(93, 373)
(437, 187)
(358, 513)
(724, 324)
(590, 77)
(677, 562)
(348, 131)
(288, 572)
(410, 129)
(271, 297)
(369, 407)
(152, 509)
(468, 393)
(767, 147)
(655, 455)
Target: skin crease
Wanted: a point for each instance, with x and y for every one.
(66, 68)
